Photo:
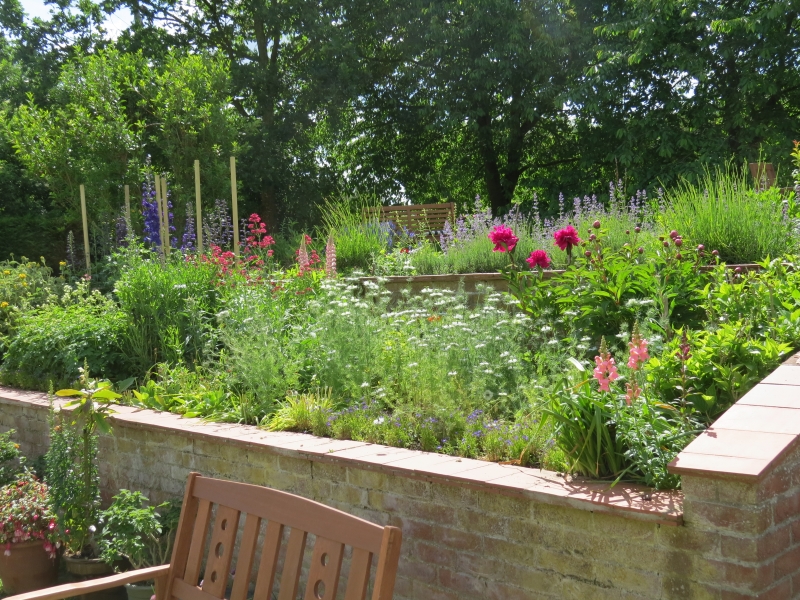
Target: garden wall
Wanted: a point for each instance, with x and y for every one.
(476, 530)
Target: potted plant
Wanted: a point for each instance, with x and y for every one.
(137, 535)
(30, 537)
(72, 474)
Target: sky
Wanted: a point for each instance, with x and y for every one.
(116, 22)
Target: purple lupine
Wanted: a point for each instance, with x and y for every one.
(121, 231)
(217, 226)
(152, 233)
(189, 232)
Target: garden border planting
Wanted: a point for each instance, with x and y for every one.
(483, 530)
(472, 281)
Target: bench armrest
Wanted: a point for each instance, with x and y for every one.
(69, 590)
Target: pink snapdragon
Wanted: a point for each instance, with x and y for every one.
(637, 348)
(503, 239)
(632, 392)
(606, 370)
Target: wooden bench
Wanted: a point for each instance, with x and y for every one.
(764, 175)
(417, 218)
(218, 507)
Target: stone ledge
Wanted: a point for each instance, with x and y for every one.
(753, 435)
(537, 484)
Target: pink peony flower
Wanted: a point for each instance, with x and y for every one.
(566, 238)
(538, 258)
(503, 239)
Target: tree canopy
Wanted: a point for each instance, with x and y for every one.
(406, 100)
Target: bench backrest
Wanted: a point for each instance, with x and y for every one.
(418, 218)
(764, 174)
(212, 511)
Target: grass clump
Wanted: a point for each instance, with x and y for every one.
(724, 212)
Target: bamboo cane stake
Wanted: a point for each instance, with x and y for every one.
(235, 203)
(128, 208)
(198, 226)
(164, 203)
(85, 229)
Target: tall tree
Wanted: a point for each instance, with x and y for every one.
(678, 85)
(479, 87)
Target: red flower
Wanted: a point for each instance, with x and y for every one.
(503, 239)
(566, 238)
(538, 258)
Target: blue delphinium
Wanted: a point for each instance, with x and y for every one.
(152, 234)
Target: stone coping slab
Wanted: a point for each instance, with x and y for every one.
(548, 487)
(752, 436)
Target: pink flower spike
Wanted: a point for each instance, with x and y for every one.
(503, 239)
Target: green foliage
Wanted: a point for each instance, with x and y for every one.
(723, 212)
(54, 340)
(169, 310)
(356, 232)
(304, 412)
(71, 472)
(71, 461)
(135, 531)
(9, 453)
(24, 285)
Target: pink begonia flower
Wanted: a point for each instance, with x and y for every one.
(503, 239)
(606, 370)
(538, 258)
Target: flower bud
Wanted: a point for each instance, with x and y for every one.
(661, 238)
(596, 224)
(738, 270)
(588, 254)
(700, 247)
(679, 242)
(673, 234)
(679, 256)
(592, 237)
(715, 252)
(637, 229)
(641, 250)
(666, 244)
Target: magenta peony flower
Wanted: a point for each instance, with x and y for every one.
(503, 239)
(538, 258)
(566, 238)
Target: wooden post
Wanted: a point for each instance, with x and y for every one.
(164, 201)
(85, 229)
(160, 213)
(198, 226)
(234, 200)
(128, 208)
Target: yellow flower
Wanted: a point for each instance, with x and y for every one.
(6, 272)
(24, 284)
(3, 304)
(63, 263)
(22, 276)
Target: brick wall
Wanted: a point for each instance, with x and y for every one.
(475, 530)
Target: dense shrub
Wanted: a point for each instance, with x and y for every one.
(54, 340)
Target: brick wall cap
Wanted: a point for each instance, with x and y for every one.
(631, 501)
(751, 438)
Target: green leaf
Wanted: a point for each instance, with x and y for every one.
(69, 392)
(106, 394)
